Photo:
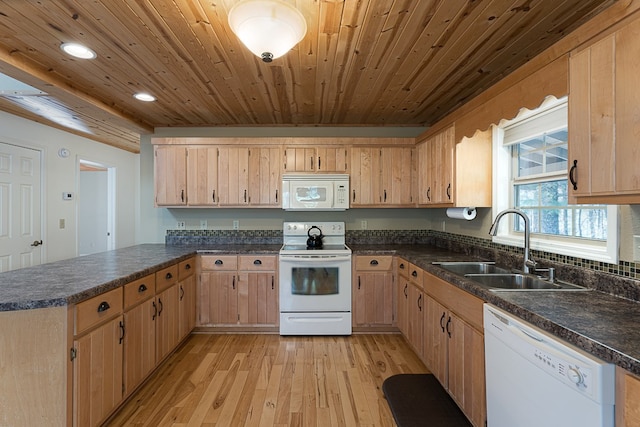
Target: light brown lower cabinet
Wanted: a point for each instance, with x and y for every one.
(97, 357)
(373, 290)
(238, 291)
(402, 295)
(454, 344)
(187, 297)
(627, 397)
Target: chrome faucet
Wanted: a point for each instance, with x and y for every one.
(529, 263)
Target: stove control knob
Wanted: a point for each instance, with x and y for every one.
(575, 376)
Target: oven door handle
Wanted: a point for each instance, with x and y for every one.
(315, 258)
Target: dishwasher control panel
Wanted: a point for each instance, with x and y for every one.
(570, 372)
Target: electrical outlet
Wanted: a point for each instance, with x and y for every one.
(61, 223)
(181, 225)
(203, 224)
(236, 224)
(363, 224)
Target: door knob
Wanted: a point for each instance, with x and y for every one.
(36, 243)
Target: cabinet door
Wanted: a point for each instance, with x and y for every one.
(299, 159)
(139, 343)
(332, 159)
(435, 338)
(167, 322)
(218, 298)
(170, 175)
(97, 373)
(425, 190)
(396, 171)
(466, 369)
(402, 296)
(415, 319)
(233, 176)
(591, 119)
(264, 176)
(365, 176)
(373, 299)
(258, 298)
(202, 175)
(187, 306)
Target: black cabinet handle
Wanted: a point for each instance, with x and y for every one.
(155, 311)
(442, 320)
(168, 276)
(385, 196)
(273, 285)
(142, 288)
(373, 262)
(414, 273)
(572, 177)
(311, 162)
(233, 283)
(245, 196)
(218, 262)
(213, 196)
(358, 282)
(448, 323)
(257, 262)
(401, 266)
(429, 194)
(354, 195)
(121, 332)
(405, 291)
(104, 306)
(181, 292)
(187, 267)
(182, 195)
(161, 307)
(319, 162)
(420, 302)
(276, 196)
(449, 191)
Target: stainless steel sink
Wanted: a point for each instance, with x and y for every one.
(476, 267)
(520, 282)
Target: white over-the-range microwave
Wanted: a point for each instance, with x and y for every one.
(320, 192)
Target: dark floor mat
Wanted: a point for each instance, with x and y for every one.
(419, 400)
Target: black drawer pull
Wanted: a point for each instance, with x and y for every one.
(257, 262)
(442, 320)
(373, 262)
(155, 311)
(121, 332)
(405, 291)
(161, 306)
(572, 177)
(448, 323)
(104, 306)
(142, 288)
(218, 262)
(414, 273)
(187, 267)
(401, 266)
(420, 302)
(181, 292)
(168, 276)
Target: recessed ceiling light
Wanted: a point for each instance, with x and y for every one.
(144, 97)
(78, 50)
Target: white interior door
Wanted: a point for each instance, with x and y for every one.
(20, 207)
(96, 208)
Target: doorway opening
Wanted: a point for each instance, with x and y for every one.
(96, 207)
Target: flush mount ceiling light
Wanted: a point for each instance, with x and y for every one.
(269, 28)
(144, 97)
(78, 50)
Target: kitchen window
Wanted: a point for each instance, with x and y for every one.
(530, 166)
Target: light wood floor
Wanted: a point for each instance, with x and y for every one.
(269, 380)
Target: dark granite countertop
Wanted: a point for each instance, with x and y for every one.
(601, 324)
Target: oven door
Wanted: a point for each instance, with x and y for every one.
(315, 283)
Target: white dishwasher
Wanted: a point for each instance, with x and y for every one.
(534, 379)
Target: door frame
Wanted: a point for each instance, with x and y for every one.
(111, 200)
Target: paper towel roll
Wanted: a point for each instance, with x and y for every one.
(462, 213)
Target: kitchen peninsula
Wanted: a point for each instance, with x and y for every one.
(37, 316)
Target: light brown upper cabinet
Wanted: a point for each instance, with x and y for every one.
(316, 159)
(264, 177)
(454, 173)
(170, 175)
(202, 176)
(233, 176)
(604, 119)
(381, 176)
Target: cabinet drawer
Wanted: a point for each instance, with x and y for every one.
(416, 275)
(257, 262)
(96, 310)
(166, 277)
(403, 267)
(373, 263)
(219, 262)
(186, 268)
(139, 290)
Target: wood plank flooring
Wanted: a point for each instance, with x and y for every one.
(269, 380)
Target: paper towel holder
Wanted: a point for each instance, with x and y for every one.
(466, 213)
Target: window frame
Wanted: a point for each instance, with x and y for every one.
(503, 193)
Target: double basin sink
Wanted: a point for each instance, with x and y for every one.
(494, 278)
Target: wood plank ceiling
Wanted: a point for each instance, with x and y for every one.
(362, 62)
